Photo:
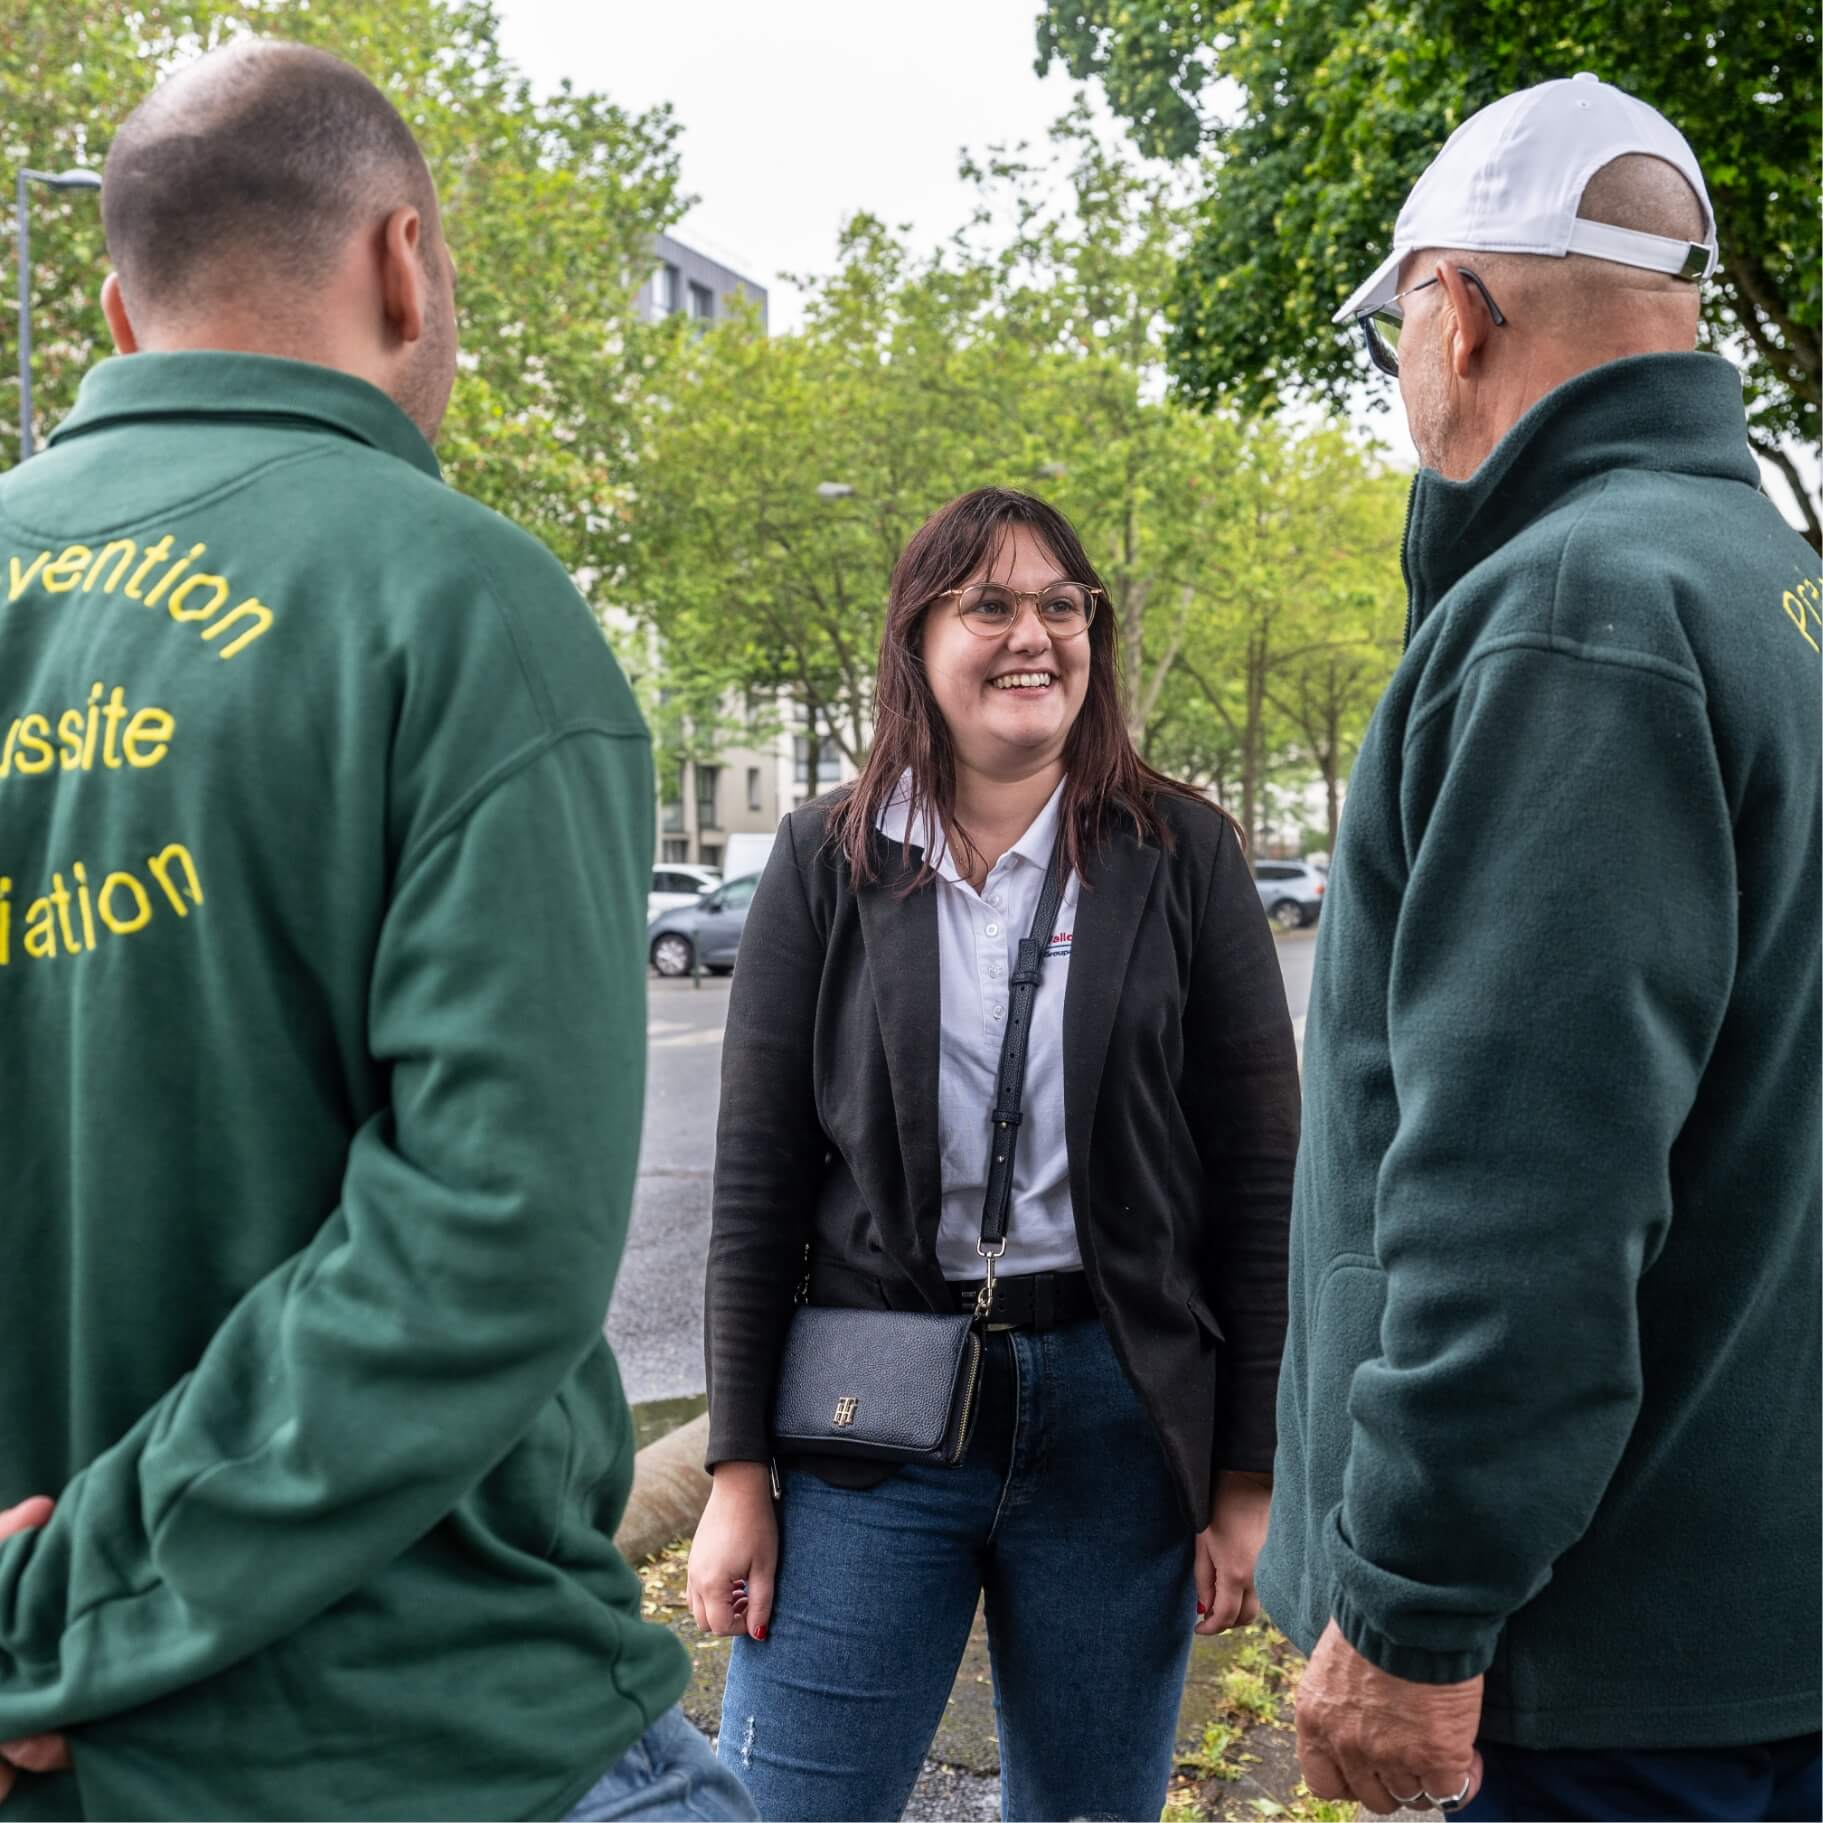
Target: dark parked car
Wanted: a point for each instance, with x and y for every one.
(709, 930)
(1291, 891)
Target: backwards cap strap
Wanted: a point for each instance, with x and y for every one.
(1651, 252)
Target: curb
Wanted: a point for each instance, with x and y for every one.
(670, 1490)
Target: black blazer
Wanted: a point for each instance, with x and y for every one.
(1180, 1118)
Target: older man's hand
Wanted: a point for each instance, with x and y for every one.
(1365, 1734)
(39, 1752)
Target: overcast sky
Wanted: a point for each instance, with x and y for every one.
(797, 113)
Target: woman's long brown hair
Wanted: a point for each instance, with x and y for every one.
(1107, 781)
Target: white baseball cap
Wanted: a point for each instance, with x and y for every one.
(1510, 179)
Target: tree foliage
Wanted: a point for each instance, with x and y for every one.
(549, 206)
(1315, 120)
(1026, 353)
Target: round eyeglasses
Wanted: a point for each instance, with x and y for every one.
(988, 609)
(1380, 328)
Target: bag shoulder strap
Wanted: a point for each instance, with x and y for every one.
(1009, 1085)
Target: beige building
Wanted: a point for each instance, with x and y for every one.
(747, 790)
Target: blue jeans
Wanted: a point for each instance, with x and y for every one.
(1063, 1512)
(1778, 1780)
(670, 1771)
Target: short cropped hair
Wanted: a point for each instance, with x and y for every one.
(264, 153)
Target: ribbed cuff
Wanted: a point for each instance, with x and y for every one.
(1416, 1664)
(1458, 1645)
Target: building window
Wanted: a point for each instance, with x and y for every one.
(754, 801)
(677, 851)
(708, 782)
(710, 855)
(674, 808)
(702, 303)
(671, 290)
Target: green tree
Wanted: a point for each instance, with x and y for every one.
(1327, 692)
(1306, 577)
(1079, 280)
(780, 477)
(1027, 353)
(549, 205)
(1315, 120)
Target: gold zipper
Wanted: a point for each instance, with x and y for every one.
(968, 1400)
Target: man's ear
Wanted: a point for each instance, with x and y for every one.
(402, 277)
(1472, 324)
(114, 308)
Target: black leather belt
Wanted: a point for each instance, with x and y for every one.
(1034, 1300)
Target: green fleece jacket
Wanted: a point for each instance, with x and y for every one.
(325, 822)
(1550, 1402)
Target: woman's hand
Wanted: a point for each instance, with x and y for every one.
(735, 1554)
(1228, 1550)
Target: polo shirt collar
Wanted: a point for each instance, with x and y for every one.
(206, 385)
(895, 822)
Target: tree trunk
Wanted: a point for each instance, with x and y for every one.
(1132, 658)
(1252, 727)
(811, 767)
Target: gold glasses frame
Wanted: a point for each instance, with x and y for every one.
(1019, 597)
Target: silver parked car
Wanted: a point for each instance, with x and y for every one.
(1290, 891)
(708, 931)
(674, 883)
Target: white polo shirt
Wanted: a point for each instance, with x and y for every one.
(977, 945)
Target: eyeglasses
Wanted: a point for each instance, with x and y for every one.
(1380, 328)
(1064, 609)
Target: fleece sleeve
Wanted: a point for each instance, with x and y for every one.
(1560, 969)
(356, 1394)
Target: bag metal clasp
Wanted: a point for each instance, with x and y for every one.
(984, 1298)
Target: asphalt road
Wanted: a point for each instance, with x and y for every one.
(656, 1322)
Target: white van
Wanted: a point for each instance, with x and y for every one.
(745, 853)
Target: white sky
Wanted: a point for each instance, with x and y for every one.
(798, 113)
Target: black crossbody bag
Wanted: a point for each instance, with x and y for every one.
(901, 1385)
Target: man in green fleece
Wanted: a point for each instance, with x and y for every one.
(1546, 1501)
(325, 821)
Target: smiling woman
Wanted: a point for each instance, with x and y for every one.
(997, 683)
(1008, 1038)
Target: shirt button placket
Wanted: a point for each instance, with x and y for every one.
(988, 951)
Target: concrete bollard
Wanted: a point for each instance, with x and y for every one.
(670, 1490)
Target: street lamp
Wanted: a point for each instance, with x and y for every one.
(57, 180)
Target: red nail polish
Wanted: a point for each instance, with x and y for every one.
(1201, 1609)
(759, 1633)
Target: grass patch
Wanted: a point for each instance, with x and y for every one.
(1250, 1741)
(1250, 1695)
(1212, 1758)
